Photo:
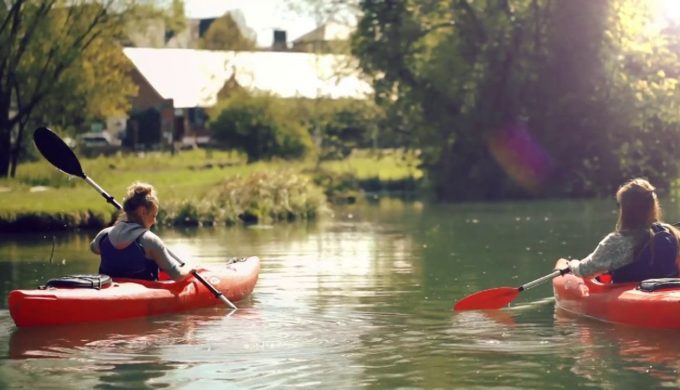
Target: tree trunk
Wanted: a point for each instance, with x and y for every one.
(16, 150)
(5, 148)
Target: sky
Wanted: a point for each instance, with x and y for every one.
(263, 16)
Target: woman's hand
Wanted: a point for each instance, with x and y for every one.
(561, 264)
(185, 271)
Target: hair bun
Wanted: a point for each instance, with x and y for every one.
(140, 189)
(139, 194)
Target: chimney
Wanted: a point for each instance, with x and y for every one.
(280, 42)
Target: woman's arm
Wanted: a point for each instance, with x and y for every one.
(614, 251)
(156, 250)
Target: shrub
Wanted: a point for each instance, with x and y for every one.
(261, 197)
(261, 126)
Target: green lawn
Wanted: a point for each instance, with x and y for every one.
(196, 178)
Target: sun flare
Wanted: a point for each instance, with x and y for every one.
(668, 10)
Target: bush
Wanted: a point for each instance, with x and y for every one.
(262, 126)
(339, 125)
(348, 125)
(32, 221)
(261, 197)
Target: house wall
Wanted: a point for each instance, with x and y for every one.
(148, 98)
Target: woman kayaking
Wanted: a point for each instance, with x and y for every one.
(128, 249)
(641, 247)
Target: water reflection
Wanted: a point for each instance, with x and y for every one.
(360, 300)
(125, 337)
(606, 349)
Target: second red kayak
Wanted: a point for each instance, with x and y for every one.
(128, 298)
(654, 304)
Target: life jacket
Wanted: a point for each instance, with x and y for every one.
(656, 259)
(129, 262)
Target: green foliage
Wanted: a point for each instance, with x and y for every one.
(260, 125)
(261, 197)
(346, 125)
(198, 187)
(590, 84)
(225, 34)
(175, 18)
(32, 221)
(61, 62)
(372, 171)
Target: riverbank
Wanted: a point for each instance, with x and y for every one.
(199, 187)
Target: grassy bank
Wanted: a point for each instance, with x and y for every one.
(195, 187)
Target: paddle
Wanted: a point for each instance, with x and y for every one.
(496, 298)
(55, 150)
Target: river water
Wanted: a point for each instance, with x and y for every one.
(360, 299)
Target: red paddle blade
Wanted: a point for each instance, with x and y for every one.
(493, 298)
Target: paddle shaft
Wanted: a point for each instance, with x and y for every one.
(103, 193)
(543, 279)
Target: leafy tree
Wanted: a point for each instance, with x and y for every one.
(260, 125)
(175, 19)
(58, 56)
(342, 124)
(525, 97)
(324, 10)
(225, 34)
(448, 76)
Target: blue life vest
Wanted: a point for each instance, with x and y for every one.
(657, 259)
(129, 262)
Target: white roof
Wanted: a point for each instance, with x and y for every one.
(192, 78)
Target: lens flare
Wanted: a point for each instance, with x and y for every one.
(521, 156)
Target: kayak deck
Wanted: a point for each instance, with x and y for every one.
(620, 303)
(129, 298)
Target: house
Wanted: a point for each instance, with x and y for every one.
(177, 85)
(330, 37)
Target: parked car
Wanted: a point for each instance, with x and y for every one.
(96, 143)
(94, 139)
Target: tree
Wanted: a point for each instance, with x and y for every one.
(340, 11)
(60, 56)
(225, 34)
(175, 19)
(516, 98)
(262, 126)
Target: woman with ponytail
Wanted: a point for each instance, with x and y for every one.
(641, 247)
(128, 249)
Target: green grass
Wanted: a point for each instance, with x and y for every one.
(382, 171)
(194, 187)
(382, 165)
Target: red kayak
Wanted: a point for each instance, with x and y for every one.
(654, 303)
(128, 298)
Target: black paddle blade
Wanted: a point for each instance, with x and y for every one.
(55, 150)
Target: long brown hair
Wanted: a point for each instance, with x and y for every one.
(638, 206)
(638, 209)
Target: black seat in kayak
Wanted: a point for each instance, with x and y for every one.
(79, 281)
(651, 285)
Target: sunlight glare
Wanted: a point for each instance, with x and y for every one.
(669, 10)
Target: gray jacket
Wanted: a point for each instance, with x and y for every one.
(123, 233)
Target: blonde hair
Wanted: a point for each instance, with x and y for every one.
(139, 194)
(638, 205)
